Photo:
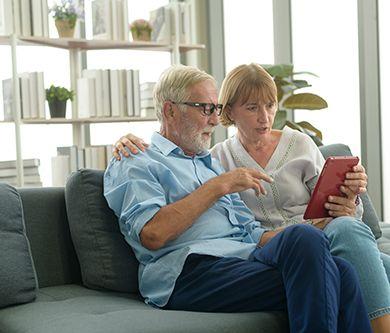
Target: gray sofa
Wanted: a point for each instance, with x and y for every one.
(85, 288)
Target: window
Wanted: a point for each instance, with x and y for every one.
(325, 42)
(248, 34)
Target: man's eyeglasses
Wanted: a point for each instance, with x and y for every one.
(207, 109)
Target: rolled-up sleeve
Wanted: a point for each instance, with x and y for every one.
(143, 199)
(135, 199)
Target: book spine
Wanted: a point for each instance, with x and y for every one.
(114, 90)
(125, 20)
(36, 17)
(114, 20)
(129, 93)
(33, 83)
(45, 18)
(122, 92)
(8, 100)
(106, 93)
(60, 169)
(25, 15)
(25, 96)
(16, 16)
(41, 95)
(136, 93)
(86, 98)
(97, 76)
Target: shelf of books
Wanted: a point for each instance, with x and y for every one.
(100, 95)
(8, 172)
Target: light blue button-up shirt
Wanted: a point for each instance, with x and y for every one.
(137, 187)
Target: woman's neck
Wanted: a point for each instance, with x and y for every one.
(256, 145)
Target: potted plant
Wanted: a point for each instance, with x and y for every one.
(65, 16)
(57, 98)
(287, 85)
(141, 30)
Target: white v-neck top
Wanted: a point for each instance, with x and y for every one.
(294, 165)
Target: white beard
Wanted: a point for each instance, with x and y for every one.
(193, 140)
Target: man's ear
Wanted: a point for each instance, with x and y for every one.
(168, 110)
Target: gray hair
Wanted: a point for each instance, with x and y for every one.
(173, 85)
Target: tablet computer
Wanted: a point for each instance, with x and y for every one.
(331, 178)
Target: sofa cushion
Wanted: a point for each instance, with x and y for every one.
(47, 227)
(18, 283)
(369, 216)
(384, 241)
(106, 260)
(71, 308)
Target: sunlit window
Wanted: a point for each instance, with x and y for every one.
(325, 42)
(248, 34)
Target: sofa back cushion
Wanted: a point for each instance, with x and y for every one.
(106, 260)
(369, 216)
(18, 283)
(48, 232)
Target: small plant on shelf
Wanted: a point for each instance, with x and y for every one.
(141, 30)
(57, 97)
(65, 16)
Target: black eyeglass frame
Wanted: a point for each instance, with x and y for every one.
(206, 112)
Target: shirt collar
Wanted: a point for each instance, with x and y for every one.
(166, 147)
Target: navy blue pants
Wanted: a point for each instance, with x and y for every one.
(293, 272)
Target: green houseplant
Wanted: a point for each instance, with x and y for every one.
(57, 98)
(65, 16)
(140, 30)
(287, 86)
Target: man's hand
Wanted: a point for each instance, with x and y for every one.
(239, 180)
(342, 206)
(357, 180)
(134, 143)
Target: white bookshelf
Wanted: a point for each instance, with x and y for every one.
(90, 44)
(86, 120)
(76, 47)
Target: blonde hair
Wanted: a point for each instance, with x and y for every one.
(173, 85)
(242, 83)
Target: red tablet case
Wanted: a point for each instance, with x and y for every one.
(331, 178)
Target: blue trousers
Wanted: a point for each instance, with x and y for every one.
(293, 272)
(353, 241)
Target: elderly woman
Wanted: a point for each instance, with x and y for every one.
(249, 98)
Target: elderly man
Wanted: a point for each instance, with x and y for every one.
(199, 246)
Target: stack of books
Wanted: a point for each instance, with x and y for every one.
(147, 104)
(110, 19)
(73, 158)
(108, 93)
(163, 21)
(32, 96)
(30, 16)
(8, 173)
